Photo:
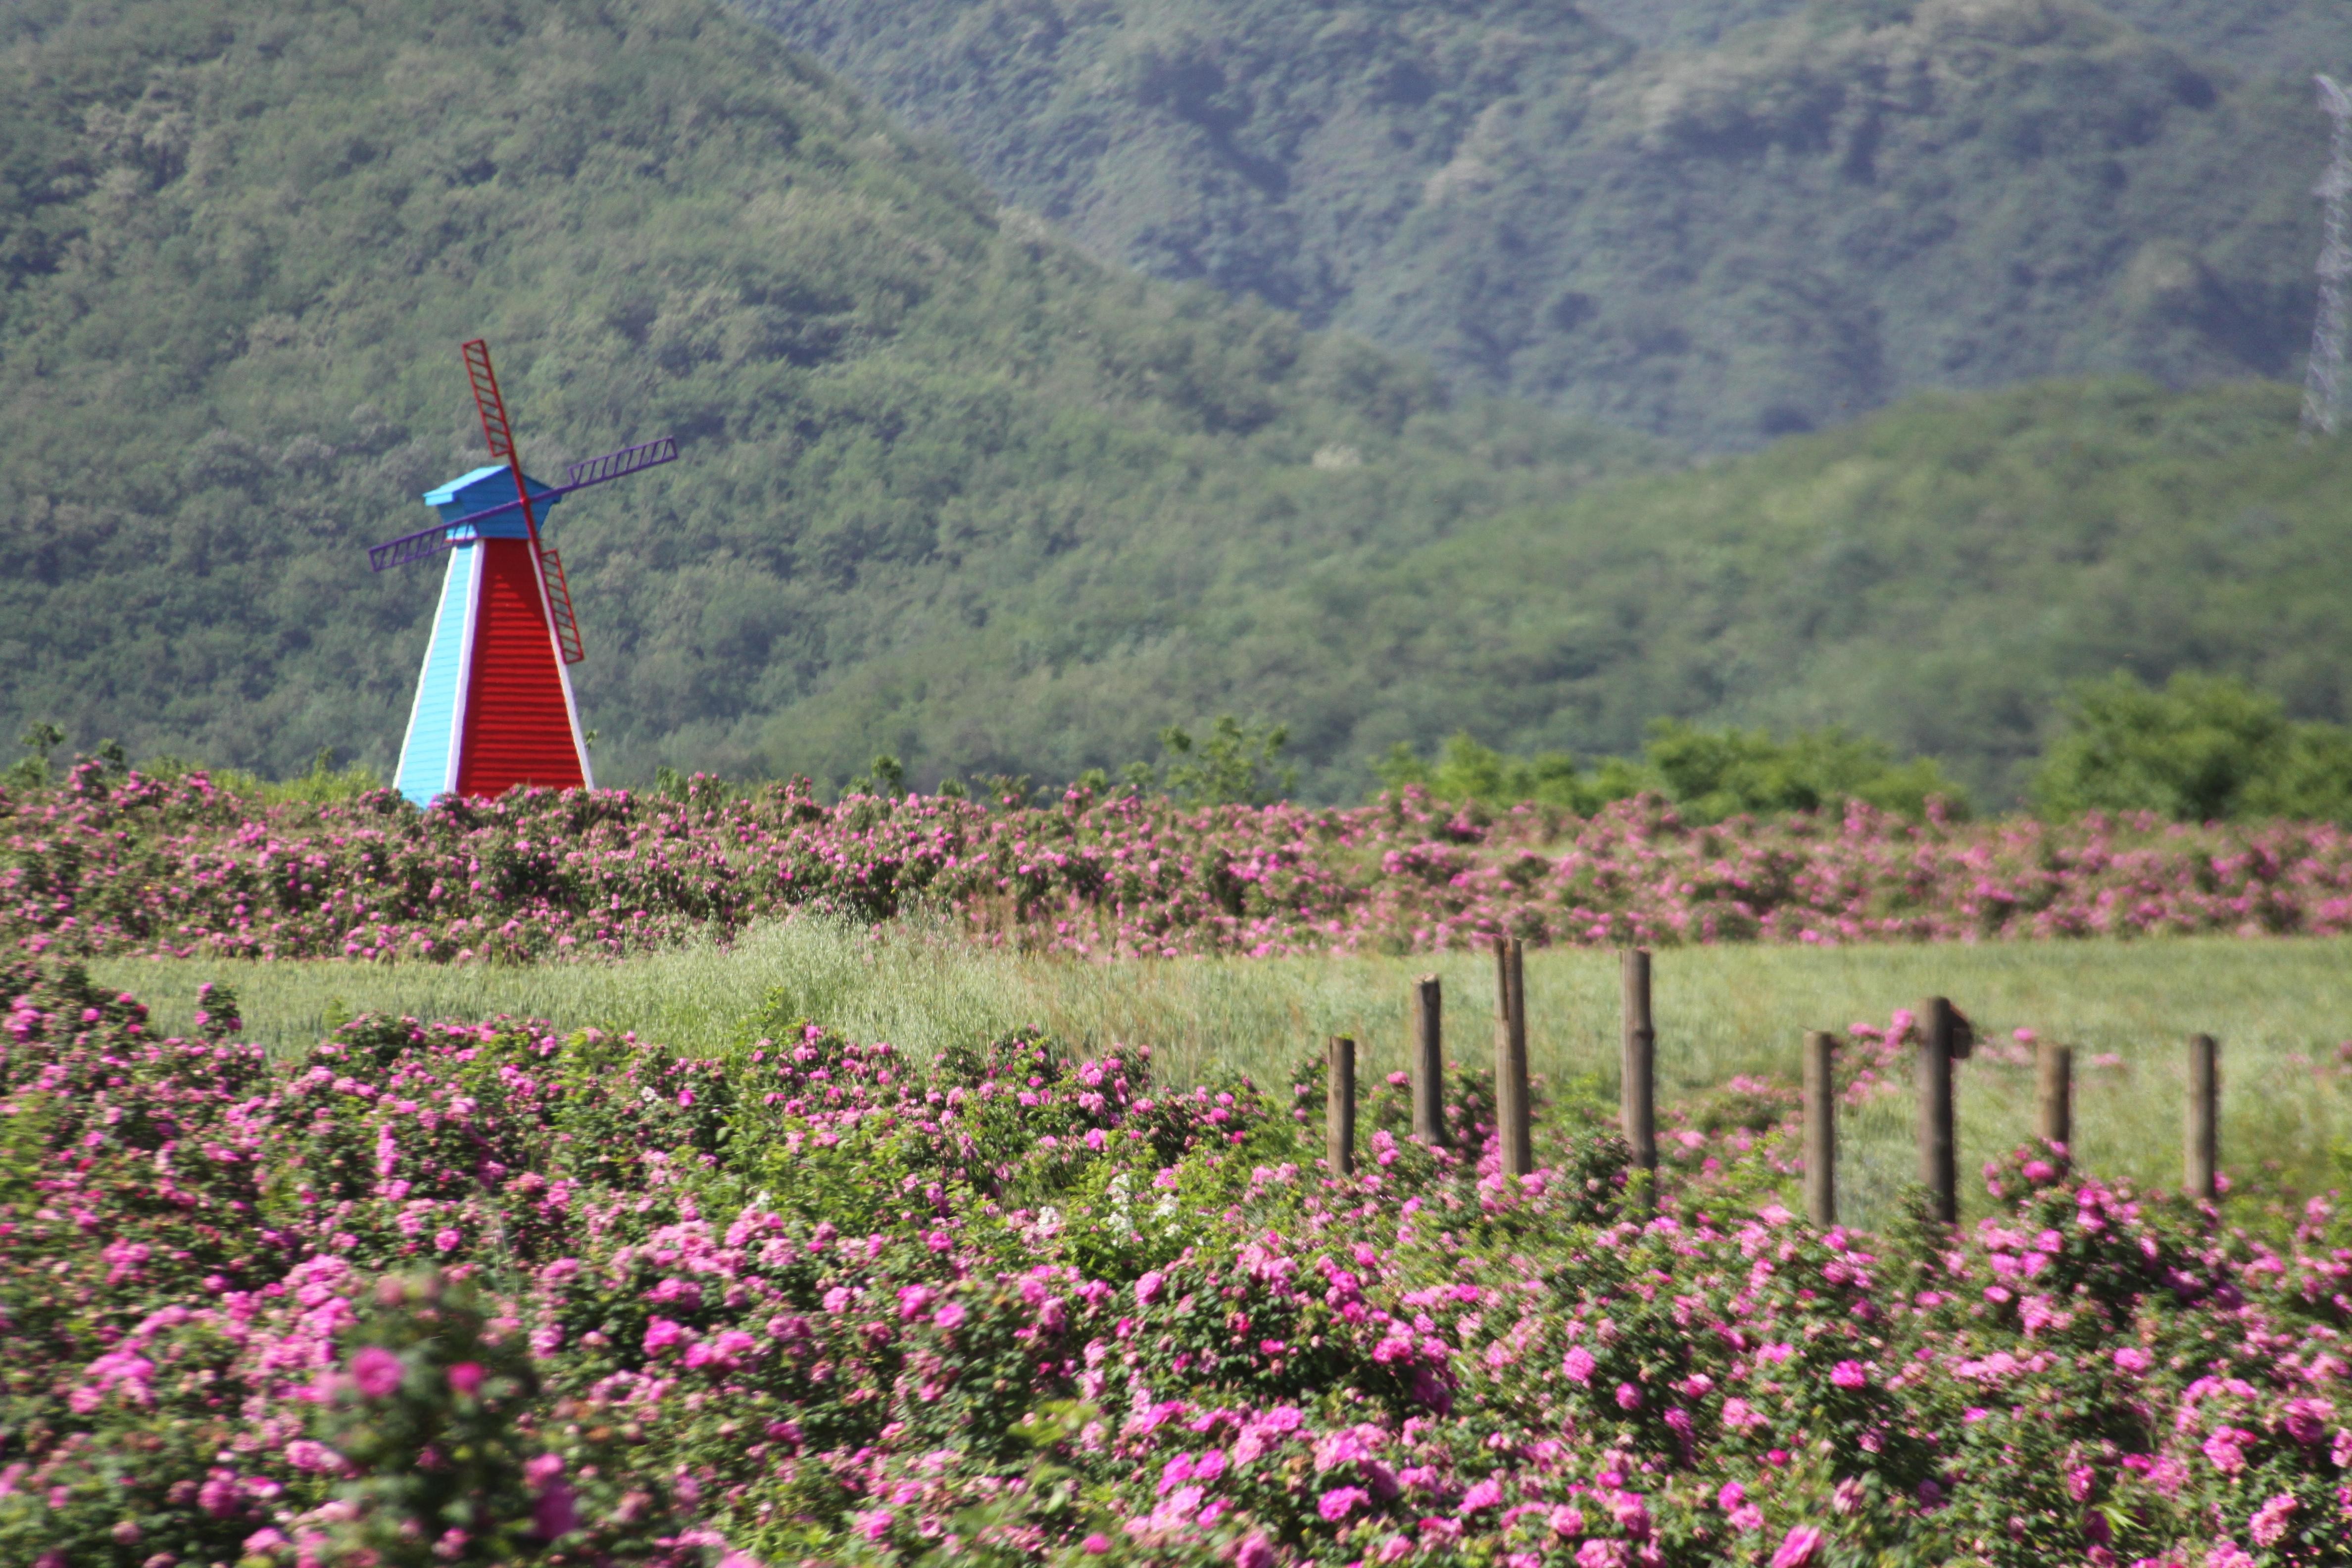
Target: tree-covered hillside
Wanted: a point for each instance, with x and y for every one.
(1938, 576)
(951, 490)
(242, 240)
(1716, 220)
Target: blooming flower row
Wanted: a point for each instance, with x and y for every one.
(470, 1294)
(136, 865)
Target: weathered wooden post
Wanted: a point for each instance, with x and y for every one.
(2055, 1095)
(1512, 1127)
(2203, 1148)
(1938, 1150)
(1429, 1063)
(1637, 1095)
(1821, 1129)
(1339, 1105)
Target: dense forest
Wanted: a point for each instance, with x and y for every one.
(952, 489)
(1718, 221)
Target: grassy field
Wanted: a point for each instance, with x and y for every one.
(2280, 1009)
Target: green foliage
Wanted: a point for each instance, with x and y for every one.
(1709, 774)
(1719, 774)
(2202, 749)
(955, 493)
(1648, 213)
(1237, 764)
(455, 1387)
(31, 771)
(1463, 770)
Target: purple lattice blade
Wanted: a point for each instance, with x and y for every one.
(614, 464)
(410, 547)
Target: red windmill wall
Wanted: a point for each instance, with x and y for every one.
(517, 724)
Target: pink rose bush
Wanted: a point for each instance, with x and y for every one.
(130, 864)
(834, 1304)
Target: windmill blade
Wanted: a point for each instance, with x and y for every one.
(493, 407)
(614, 464)
(409, 547)
(617, 465)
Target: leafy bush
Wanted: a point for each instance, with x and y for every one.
(2205, 748)
(1708, 775)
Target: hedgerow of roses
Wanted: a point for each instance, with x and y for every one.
(113, 864)
(473, 1294)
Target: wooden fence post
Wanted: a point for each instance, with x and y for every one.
(1821, 1129)
(1429, 1063)
(2204, 1130)
(1339, 1105)
(1512, 1127)
(2055, 1096)
(1938, 1152)
(1637, 1094)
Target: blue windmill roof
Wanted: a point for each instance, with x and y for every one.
(491, 485)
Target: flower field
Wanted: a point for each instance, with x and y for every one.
(472, 1294)
(112, 864)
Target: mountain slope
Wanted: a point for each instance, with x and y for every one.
(239, 244)
(949, 489)
(1713, 236)
(1935, 575)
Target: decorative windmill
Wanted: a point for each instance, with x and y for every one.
(494, 705)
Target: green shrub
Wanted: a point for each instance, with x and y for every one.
(2205, 748)
(1709, 774)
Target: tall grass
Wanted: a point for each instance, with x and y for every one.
(2280, 1008)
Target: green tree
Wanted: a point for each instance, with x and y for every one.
(2205, 748)
(1236, 763)
(1716, 773)
(1709, 774)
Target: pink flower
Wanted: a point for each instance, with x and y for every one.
(2268, 1523)
(950, 1315)
(1628, 1397)
(1731, 1495)
(663, 1332)
(1147, 1290)
(446, 1239)
(1798, 1547)
(375, 1371)
(1576, 1364)
(556, 1512)
(2134, 1360)
(1484, 1494)
(1252, 1552)
(465, 1378)
(1340, 1502)
(2226, 1450)
(1094, 1546)
(1602, 1554)
(307, 1454)
(1849, 1375)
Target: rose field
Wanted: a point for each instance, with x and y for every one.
(729, 1280)
(122, 864)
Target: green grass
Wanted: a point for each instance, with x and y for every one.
(2279, 1008)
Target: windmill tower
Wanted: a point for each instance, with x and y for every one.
(494, 705)
(2323, 386)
